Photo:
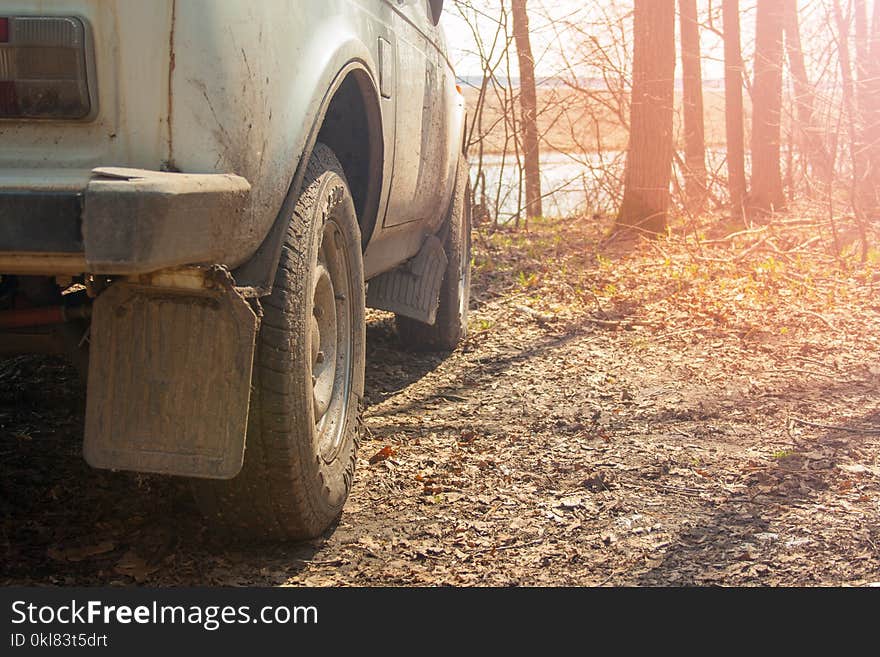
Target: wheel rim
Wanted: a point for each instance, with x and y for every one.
(331, 342)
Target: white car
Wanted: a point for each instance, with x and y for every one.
(198, 198)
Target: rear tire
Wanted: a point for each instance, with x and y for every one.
(308, 374)
(450, 328)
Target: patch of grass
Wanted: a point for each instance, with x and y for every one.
(527, 280)
(483, 324)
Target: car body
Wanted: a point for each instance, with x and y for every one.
(157, 158)
(207, 87)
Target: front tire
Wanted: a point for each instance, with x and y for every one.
(308, 374)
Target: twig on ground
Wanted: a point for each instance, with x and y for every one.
(320, 562)
(804, 245)
(754, 247)
(510, 546)
(605, 581)
(813, 361)
(683, 331)
(727, 238)
(833, 427)
(819, 317)
(794, 370)
(621, 324)
(686, 492)
(534, 314)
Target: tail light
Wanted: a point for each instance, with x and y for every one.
(44, 68)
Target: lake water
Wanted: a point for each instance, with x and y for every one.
(571, 183)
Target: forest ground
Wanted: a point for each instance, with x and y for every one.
(674, 412)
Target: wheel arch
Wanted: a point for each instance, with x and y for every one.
(351, 101)
(352, 129)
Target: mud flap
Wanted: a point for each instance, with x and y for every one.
(169, 381)
(413, 289)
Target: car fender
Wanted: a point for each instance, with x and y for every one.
(235, 109)
(258, 272)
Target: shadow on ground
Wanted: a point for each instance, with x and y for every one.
(750, 533)
(65, 523)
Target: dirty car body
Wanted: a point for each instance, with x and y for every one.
(153, 155)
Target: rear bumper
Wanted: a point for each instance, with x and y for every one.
(121, 221)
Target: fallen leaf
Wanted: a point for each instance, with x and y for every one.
(598, 482)
(467, 436)
(80, 553)
(135, 566)
(385, 453)
(855, 468)
(569, 502)
(370, 544)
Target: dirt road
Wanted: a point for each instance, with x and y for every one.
(674, 416)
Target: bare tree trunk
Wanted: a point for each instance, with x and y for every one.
(694, 129)
(868, 101)
(805, 100)
(649, 155)
(734, 114)
(849, 103)
(872, 108)
(861, 64)
(849, 100)
(767, 194)
(861, 61)
(528, 102)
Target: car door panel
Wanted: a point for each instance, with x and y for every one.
(414, 194)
